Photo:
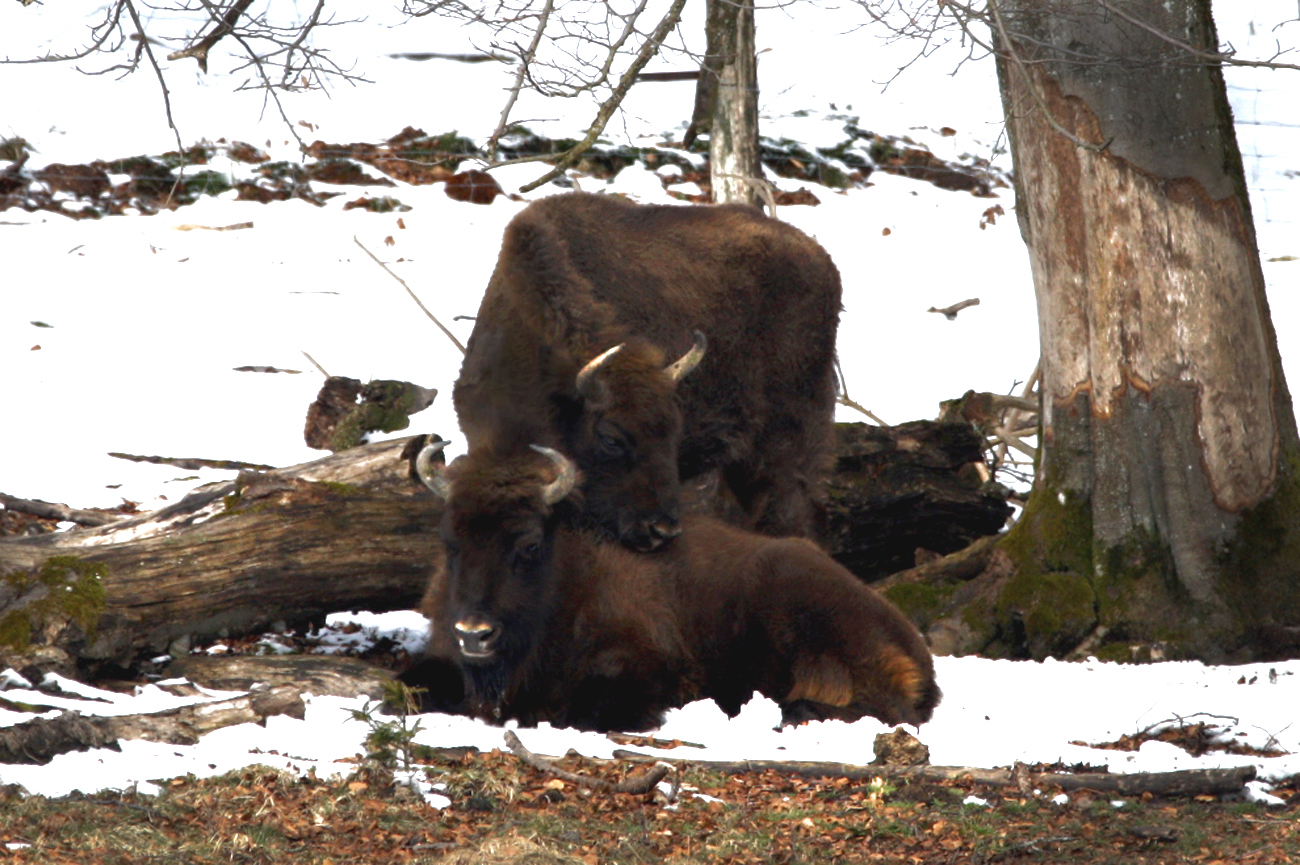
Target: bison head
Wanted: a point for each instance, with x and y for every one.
(498, 529)
(625, 434)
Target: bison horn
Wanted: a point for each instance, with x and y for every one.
(433, 478)
(564, 482)
(586, 381)
(690, 360)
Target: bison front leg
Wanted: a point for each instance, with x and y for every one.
(438, 685)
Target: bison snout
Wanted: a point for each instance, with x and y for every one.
(652, 536)
(477, 637)
(665, 530)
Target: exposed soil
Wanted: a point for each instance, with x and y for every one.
(147, 184)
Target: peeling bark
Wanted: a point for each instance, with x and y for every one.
(735, 167)
(1167, 424)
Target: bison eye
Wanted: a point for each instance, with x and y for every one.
(528, 550)
(612, 443)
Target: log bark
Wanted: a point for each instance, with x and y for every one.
(349, 531)
(1192, 782)
(896, 490)
(42, 739)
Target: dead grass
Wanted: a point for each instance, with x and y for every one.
(505, 813)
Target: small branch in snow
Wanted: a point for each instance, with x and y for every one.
(451, 336)
(51, 510)
(638, 785)
(319, 368)
(950, 312)
(194, 463)
(41, 739)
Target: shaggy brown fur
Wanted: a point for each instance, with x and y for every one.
(578, 274)
(590, 635)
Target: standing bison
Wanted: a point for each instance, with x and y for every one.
(597, 313)
(533, 620)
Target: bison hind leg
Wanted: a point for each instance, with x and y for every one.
(890, 686)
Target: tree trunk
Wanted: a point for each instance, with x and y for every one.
(1163, 519)
(736, 171)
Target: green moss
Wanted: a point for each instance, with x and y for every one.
(920, 602)
(388, 407)
(64, 589)
(1261, 565)
(207, 183)
(341, 489)
(1049, 604)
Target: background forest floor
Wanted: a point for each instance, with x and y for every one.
(503, 811)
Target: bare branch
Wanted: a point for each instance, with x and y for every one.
(51, 510)
(524, 62)
(225, 25)
(451, 336)
(950, 312)
(637, 785)
(648, 50)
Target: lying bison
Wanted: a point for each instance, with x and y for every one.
(535, 621)
(592, 299)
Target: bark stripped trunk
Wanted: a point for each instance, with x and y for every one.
(1165, 509)
(734, 165)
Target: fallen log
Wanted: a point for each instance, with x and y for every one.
(349, 531)
(41, 739)
(1191, 782)
(914, 486)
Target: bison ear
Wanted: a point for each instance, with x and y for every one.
(689, 361)
(588, 383)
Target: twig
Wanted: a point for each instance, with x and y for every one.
(648, 50)
(50, 510)
(1033, 88)
(1010, 440)
(225, 26)
(950, 312)
(459, 58)
(520, 74)
(638, 785)
(319, 368)
(193, 463)
(144, 46)
(451, 336)
(843, 396)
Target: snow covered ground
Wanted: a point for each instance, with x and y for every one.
(146, 323)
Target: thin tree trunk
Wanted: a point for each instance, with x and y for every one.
(735, 168)
(1165, 507)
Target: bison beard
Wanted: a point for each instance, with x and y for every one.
(596, 637)
(581, 274)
